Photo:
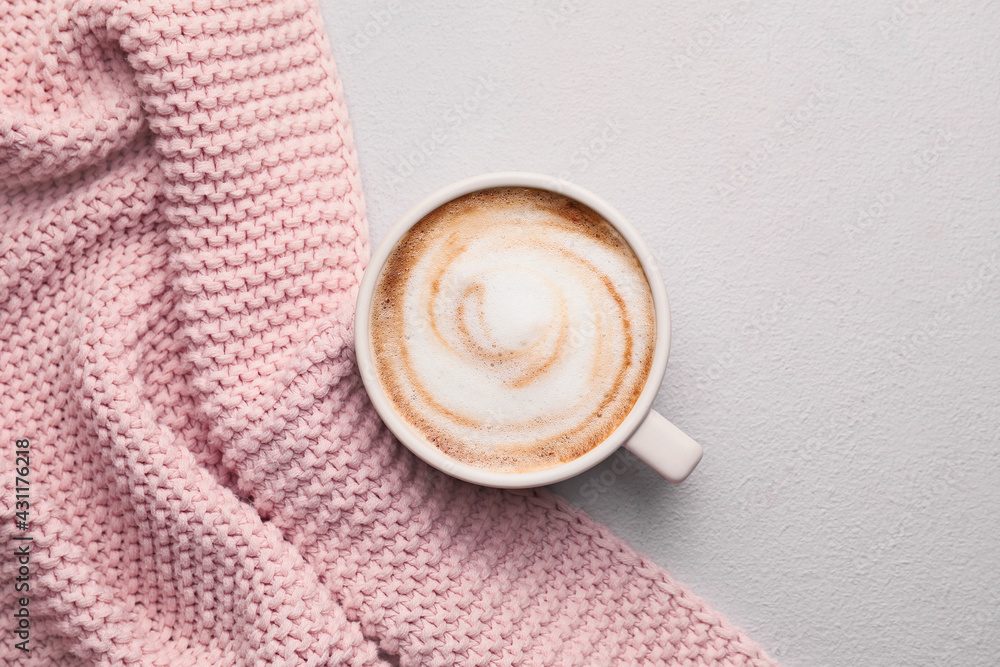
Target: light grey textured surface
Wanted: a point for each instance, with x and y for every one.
(821, 187)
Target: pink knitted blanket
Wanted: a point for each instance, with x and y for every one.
(183, 234)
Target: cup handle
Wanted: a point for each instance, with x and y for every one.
(664, 448)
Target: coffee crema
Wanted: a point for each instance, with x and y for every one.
(513, 328)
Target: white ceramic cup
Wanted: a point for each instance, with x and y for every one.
(644, 432)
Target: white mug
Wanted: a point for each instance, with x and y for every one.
(644, 432)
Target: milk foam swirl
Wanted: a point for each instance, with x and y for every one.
(513, 328)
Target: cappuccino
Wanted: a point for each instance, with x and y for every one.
(513, 329)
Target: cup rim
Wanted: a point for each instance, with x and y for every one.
(408, 434)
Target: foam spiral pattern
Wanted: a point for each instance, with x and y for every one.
(514, 328)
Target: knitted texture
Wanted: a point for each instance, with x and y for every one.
(183, 235)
